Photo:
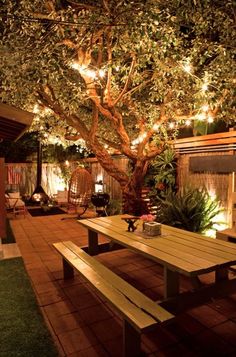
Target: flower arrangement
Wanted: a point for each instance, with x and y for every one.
(147, 218)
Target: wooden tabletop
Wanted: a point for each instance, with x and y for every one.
(185, 252)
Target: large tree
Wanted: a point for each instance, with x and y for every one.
(122, 73)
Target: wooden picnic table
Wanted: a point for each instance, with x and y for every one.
(180, 252)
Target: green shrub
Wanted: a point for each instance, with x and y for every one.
(191, 209)
(114, 207)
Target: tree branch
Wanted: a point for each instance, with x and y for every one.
(105, 5)
(220, 102)
(94, 125)
(81, 6)
(107, 90)
(127, 82)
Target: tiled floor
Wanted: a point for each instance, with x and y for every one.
(83, 325)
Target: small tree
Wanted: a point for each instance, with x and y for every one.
(121, 73)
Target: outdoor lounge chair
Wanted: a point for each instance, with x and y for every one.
(14, 203)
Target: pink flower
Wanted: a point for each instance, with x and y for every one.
(147, 217)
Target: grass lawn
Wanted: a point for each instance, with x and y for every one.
(23, 331)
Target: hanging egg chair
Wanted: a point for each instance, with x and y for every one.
(81, 187)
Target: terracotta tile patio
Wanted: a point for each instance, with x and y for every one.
(83, 325)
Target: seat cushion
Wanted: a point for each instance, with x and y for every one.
(14, 200)
(14, 194)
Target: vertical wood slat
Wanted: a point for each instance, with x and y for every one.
(2, 199)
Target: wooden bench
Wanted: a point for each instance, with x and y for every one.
(139, 313)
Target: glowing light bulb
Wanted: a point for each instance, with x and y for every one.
(210, 119)
(90, 73)
(205, 87)
(171, 125)
(201, 116)
(47, 110)
(75, 65)
(135, 142)
(67, 163)
(188, 122)
(156, 127)
(101, 73)
(205, 107)
(36, 108)
(187, 66)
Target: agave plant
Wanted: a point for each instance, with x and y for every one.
(191, 209)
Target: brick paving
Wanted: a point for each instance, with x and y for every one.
(82, 324)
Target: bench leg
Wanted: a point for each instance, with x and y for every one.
(171, 283)
(67, 270)
(131, 341)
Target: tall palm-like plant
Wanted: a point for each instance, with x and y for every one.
(191, 209)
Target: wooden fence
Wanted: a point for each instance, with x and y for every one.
(219, 148)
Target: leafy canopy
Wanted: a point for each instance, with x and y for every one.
(122, 71)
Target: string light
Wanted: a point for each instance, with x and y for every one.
(47, 111)
(205, 108)
(200, 116)
(101, 73)
(205, 87)
(187, 66)
(92, 73)
(156, 127)
(36, 109)
(75, 65)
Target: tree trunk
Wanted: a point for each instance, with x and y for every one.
(131, 186)
(132, 191)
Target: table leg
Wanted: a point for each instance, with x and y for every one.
(171, 283)
(221, 274)
(92, 242)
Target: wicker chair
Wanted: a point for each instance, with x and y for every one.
(80, 190)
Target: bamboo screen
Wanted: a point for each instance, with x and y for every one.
(218, 185)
